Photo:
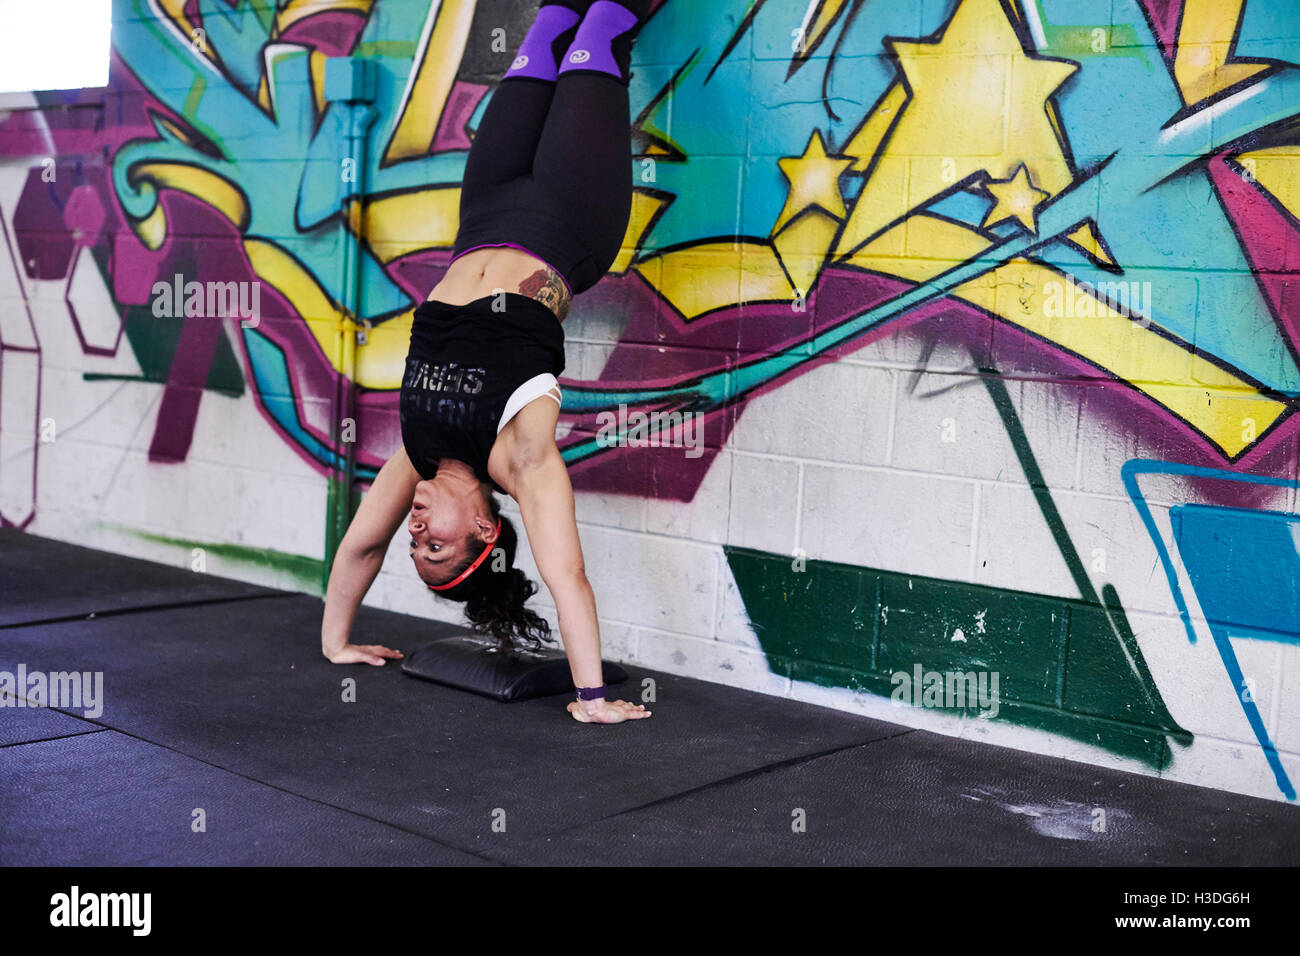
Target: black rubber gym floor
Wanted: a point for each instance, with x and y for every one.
(218, 707)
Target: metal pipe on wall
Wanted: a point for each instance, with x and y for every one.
(350, 82)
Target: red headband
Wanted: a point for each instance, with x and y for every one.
(468, 571)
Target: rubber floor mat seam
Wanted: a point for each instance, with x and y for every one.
(118, 612)
(45, 740)
(737, 777)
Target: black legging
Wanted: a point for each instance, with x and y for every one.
(550, 171)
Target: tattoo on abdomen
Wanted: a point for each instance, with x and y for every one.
(546, 286)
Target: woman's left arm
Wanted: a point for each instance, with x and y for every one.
(540, 483)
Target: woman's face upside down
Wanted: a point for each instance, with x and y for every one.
(443, 530)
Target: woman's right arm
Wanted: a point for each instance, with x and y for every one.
(359, 558)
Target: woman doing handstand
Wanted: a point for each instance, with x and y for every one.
(545, 200)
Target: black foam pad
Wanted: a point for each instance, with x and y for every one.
(473, 663)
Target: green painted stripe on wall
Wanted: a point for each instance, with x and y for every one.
(1066, 666)
(307, 571)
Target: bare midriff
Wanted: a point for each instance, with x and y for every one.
(485, 272)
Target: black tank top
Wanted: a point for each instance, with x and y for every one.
(464, 363)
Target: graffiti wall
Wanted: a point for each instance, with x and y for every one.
(947, 373)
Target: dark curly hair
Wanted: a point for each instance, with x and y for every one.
(494, 597)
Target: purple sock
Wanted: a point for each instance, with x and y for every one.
(594, 47)
(536, 58)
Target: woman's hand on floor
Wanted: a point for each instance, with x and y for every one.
(363, 654)
(608, 712)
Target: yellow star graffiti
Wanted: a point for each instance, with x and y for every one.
(973, 89)
(1016, 198)
(976, 104)
(814, 181)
